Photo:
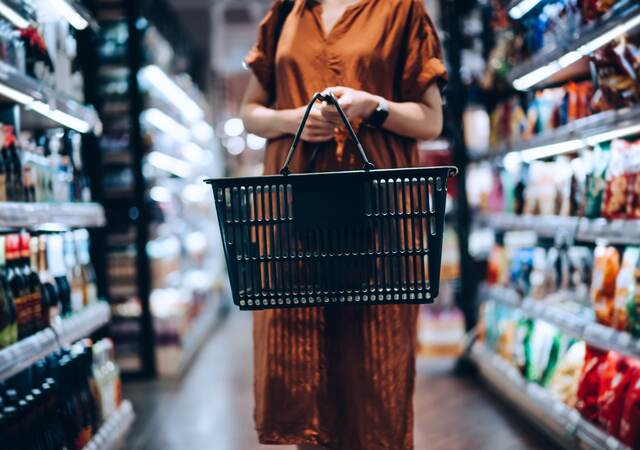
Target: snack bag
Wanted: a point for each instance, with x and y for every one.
(616, 377)
(596, 181)
(625, 287)
(565, 380)
(589, 384)
(603, 284)
(629, 433)
(614, 204)
(633, 181)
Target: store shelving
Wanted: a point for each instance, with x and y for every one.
(112, 434)
(47, 102)
(573, 136)
(26, 352)
(35, 215)
(582, 229)
(599, 336)
(561, 423)
(623, 17)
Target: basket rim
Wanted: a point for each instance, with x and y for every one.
(451, 172)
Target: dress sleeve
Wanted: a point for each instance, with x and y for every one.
(261, 57)
(423, 56)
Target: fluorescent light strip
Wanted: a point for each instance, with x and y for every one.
(70, 14)
(573, 145)
(60, 117)
(169, 164)
(166, 124)
(542, 73)
(522, 8)
(153, 75)
(12, 16)
(16, 96)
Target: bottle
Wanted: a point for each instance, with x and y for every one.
(58, 270)
(7, 310)
(49, 290)
(83, 397)
(90, 288)
(19, 287)
(74, 272)
(11, 335)
(13, 155)
(3, 173)
(43, 313)
(33, 284)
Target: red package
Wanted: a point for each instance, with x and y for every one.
(633, 184)
(589, 385)
(630, 422)
(616, 375)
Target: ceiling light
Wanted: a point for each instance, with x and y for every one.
(255, 142)
(166, 124)
(235, 145)
(12, 16)
(70, 14)
(160, 194)
(153, 77)
(522, 8)
(169, 164)
(202, 131)
(192, 152)
(233, 127)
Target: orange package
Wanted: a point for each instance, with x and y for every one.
(603, 286)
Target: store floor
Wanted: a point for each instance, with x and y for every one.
(211, 408)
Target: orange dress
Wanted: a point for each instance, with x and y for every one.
(341, 376)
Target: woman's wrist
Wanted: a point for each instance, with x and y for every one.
(287, 121)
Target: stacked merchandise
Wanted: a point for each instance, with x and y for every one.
(43, 278)
(162, 259)
(61, 402)
(601, 385)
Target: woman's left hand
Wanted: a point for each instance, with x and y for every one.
(355, 104)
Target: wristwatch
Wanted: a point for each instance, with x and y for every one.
(378, 117)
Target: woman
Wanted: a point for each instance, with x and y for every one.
(343, 377)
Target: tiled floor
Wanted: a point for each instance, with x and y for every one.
(211, 409)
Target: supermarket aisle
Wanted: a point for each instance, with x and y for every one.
(212, 408)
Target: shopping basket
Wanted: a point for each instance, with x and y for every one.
(354, 237)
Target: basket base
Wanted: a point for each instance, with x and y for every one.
(310, 301)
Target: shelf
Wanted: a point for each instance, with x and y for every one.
(624, 16)
(583, 132)
(26, 352)
(112, 435)
(582, 229)
(198, 333)
(36, 215)
(561, 423)
(45, 101)
(599, 336)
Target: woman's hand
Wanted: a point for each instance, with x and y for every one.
(317, 129)
(355, 104)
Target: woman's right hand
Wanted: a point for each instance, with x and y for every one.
(317, 129)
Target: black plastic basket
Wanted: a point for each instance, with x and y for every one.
(354, 237)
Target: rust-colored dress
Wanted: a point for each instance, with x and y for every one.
(342, 376)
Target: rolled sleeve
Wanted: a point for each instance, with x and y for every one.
(423, 64)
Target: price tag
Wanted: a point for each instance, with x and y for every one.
(598, 335)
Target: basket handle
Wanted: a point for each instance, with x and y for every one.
(329, 98)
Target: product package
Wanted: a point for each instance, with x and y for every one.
(629, 433)
(544, 350)
(596, 183)
(614, 205)
(605, 270)
(565, 380)
(633, 181)
(625, 287)
(615, 377)
(589, 385)
(633, 303)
